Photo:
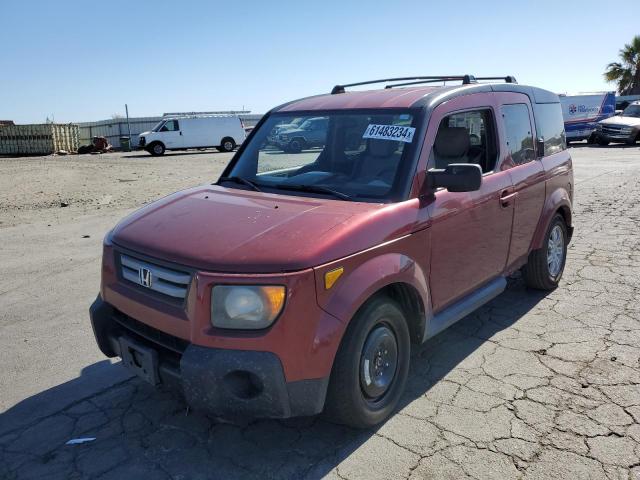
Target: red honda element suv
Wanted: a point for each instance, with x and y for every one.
(298, 282)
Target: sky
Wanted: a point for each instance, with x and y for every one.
(76, 61)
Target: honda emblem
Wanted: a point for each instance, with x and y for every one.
(145, 277)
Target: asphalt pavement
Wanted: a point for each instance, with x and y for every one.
(532, 385)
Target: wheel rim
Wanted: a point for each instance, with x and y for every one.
(378, 362)
(228, 146)
(157, 149)
(295, 145)
(555, 251)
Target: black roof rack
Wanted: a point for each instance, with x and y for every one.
(466, 80)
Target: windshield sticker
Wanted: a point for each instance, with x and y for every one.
(390, 132)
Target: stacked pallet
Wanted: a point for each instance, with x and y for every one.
(38, 139)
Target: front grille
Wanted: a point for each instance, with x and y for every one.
(139, 330)
(612, 129)
(166, 281)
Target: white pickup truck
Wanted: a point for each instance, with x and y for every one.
(622, 128)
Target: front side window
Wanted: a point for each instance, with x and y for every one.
(362, 155)
(466, 137)
(170, 126)
(517, 124)
(550, 127)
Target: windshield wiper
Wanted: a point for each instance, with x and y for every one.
(241, 180)
(315, 189)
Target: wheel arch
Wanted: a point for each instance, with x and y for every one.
(394, 275)
(558, 202)
(155, 142)
(412, 305)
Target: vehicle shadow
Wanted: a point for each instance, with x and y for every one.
(176, 153)
(143, 432)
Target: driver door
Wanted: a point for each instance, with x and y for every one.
(172, 135)
(470, 231)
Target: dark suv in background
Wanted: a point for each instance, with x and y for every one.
(311, 133)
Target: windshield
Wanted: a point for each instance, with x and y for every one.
(348, 154)
(632, 111)
(158, 126)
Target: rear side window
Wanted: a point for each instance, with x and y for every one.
(517, 125)
(550, 126)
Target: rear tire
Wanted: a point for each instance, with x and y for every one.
(156, 149)
(227, 145)
(545, 266)
(371, 367)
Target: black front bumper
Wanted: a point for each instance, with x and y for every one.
(224, 383)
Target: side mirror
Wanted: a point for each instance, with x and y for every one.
(457, 177)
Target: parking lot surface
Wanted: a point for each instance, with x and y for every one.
(533, 385)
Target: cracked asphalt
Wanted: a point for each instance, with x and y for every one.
(532, 385)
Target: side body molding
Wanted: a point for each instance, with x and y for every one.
(463, 307)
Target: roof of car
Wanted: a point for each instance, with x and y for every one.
(408, 97)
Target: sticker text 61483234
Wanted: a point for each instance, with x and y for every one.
(398, 133)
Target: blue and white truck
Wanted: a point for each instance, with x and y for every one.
(583, 111)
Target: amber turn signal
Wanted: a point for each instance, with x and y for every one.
(332, 277)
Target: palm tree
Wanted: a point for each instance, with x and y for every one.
(626, 72)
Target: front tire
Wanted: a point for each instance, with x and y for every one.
(602, 142)
(545, 266)
(371, 367)
(156, 149)
(227, 145)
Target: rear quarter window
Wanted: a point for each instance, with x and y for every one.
(550, 126)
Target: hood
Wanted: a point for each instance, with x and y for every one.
(286, 126)
(145, 133)
(291, 130)
(231, 230)
(620, 120)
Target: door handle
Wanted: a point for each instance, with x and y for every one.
(507, 196)
(180, 132)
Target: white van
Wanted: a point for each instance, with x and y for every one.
(223, 132)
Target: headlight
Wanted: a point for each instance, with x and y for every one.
(246, 307)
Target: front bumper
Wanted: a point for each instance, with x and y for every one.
(612, 136)
(223, 382)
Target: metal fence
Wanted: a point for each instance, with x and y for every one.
(113, 129)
